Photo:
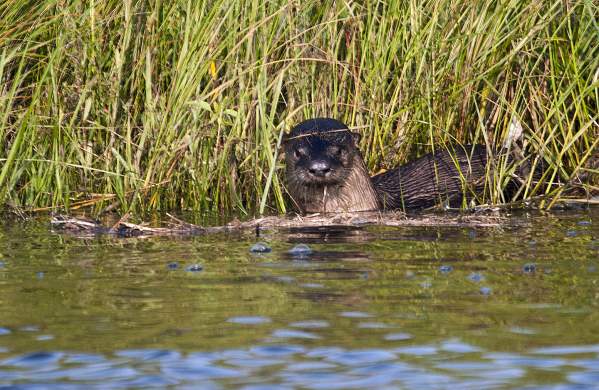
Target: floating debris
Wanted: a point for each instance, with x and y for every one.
(476, 277)
(173, 265)
(194, 268)
(300, 250)
(359, 221)
(260, 247)
(175, 226)
(529, 268)
(445, 269)
(485, 290)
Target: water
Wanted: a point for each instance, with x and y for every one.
(514, 306)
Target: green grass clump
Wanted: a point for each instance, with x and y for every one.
(157, 105)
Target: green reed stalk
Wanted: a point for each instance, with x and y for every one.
(153, 105)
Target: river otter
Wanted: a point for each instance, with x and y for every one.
(326, 173)
(325, 170)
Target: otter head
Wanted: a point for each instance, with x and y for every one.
(325, 170)
(320, 152)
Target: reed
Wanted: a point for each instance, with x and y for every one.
(157, 105)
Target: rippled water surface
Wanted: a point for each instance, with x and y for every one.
(513, 306)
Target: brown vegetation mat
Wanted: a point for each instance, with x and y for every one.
(176, 226)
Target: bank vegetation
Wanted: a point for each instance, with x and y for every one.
(160, 105)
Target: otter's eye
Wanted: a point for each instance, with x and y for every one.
(299, 153)
(336, 150)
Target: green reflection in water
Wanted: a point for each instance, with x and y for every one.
(372, 288)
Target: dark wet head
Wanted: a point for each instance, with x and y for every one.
(320, 151)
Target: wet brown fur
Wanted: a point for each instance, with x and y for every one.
(348, 189)
(445, 177)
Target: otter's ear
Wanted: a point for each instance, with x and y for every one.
(357, 137)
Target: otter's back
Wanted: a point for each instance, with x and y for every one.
(442, 177)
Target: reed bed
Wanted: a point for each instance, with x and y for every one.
(140, 106)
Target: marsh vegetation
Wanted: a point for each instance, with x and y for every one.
(152, 105)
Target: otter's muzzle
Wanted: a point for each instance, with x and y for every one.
(320, 168)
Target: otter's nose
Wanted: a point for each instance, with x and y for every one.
(320, 168)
